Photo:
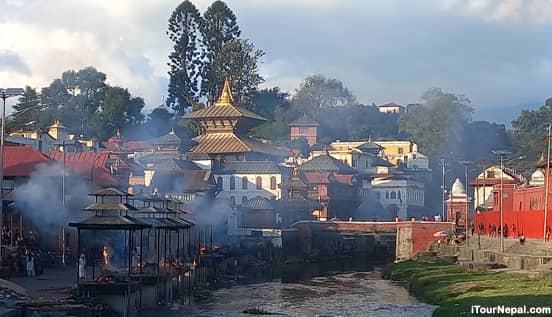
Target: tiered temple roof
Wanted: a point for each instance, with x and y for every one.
(221, 128)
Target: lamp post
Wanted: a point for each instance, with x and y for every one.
(443, 190)
(4, 94)
(547, 183)
(467, 213)
(501, 153)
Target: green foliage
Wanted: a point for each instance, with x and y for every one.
(185, 59)
(82, 100)
(528, 136)
(438, 124)
(219, 28)
(267, 100)
(27, 110)
(455, 290)
(241, 61)
(317, 92)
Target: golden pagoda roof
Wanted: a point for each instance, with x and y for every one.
(224, 108)
(219, 143)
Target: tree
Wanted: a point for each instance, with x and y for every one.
(528, 136)
(241, 66)
(184, 60)
(219, 27)
(318, 92)
(120, 110)
(159, 120)
(27, 110)
(438, 124)
(266, 101)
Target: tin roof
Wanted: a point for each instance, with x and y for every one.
(22, 161)
(258, 203)
(110, 191)
(326, 163)
(169, 138)
(110, 223)
(176, 165)
(304, 121)
(109, 207)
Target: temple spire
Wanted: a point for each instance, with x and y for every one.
(226, 97)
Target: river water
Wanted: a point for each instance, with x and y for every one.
(306, 290)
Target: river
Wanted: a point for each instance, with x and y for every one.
(331, 289)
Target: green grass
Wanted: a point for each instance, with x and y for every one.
(456, 290)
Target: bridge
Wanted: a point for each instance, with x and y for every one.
(332, 239)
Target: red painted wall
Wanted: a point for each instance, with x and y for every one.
(531, 223)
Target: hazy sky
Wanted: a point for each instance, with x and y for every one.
(498, 53)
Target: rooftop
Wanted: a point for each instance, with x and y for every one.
(248, 167)
(304, 121)
(326, 163)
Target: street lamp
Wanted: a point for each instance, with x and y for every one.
(443, 190)
(4, 94)
(467, 213)
(501, 153)
(547, 181)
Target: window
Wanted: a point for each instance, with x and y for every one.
(386, 195)
(400, 150)
(244, 200)
(303, 130)
(354, 163)
(273, 182)
(219, 182)
(490, 174)
(393, 195)
(399, 195)
(232, 183)
(233, 200)
(259, 182)
(244, 182)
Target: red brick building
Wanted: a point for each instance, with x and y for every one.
(304, 127)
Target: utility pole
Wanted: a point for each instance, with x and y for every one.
(467, 212)
(443, 189)
(501, 200)
(547, 184)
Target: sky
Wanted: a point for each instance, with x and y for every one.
(498, 53)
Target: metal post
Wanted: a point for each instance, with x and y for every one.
(443, 190)
(501, 203)
(4, 97)
(547, 181)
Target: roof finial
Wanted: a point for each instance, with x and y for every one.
(118, 132)
(226, 95)
(172, 131)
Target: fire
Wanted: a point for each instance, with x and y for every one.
(105, 254)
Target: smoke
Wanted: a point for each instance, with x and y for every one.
(41, 198)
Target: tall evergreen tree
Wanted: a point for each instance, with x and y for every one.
(184, 60)
(27, 110)
(241, 65)
(219, 27)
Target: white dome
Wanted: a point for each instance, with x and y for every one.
(537, 178)
(458, 188)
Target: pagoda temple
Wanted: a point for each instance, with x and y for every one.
(222, 128)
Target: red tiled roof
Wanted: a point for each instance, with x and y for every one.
(91, 165)
(343, 179)
(20, 161)
(317, 178)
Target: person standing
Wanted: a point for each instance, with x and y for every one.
(30, 265)
(82, 267)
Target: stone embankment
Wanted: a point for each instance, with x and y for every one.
(532, 256)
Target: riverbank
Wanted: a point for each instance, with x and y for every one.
(455, 290)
